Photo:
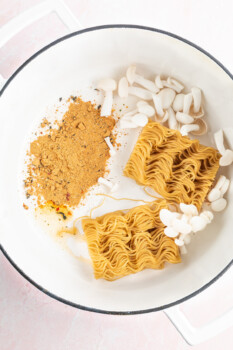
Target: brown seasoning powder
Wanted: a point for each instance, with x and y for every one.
(67, 160)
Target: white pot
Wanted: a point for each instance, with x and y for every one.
(59, 69)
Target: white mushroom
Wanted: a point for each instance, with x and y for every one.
(128, 115)
(142, 107)
(112, 149)
(140, 119)
(184, 118)
(165, 117)
(198, 223)
(219, 204)
(214, 194)
(158, 82)
(187, 239)
(141, 103)
(188, 99)
(140, 92)
(202, 127)
(127, 124)
(225, 187)
(173, 84)
(218, 138)
(183, 250)
(108, 86)
(188, 209)
(227, 154)
(170, 232)
(172, 122)
(158, 104)
(196, 93)
(123, 87)
(185, 129)
(220, 182)
(181, 226)
(227, 158)
(145, 108)
(130, 74)
(167, 216)
(167, 96)
(133, 77)
(178, 103)
(208, 215)
(179, 242)
(185, 218)
(111, 186)
(197, 115)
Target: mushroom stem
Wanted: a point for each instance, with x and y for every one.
(172, 122)
(145, 108)
(147, 84)
(140, 92)
(108, 142)
(127, 124)
(128, 115)
(196, 92)
(158, 82)
(173, 84)
(218, 138)
(184, 118)
(178, 103)
(106, 108)
(136, 78)
(140, 119)
(185, 129)
(108, 86)
(163, 119)
(111, 186)
(158, 104)
(167, 96)
(188, 99)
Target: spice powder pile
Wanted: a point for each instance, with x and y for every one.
(68, 159)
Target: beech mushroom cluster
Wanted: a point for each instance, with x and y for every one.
(171, 106)
(179, 225)
(215, 196)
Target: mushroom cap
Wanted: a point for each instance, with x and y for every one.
(202, 127)
(184, 118)
(140, 119)
(167, 96)
(123, 88)
(130, 74)
(219, 204)
(107, 84)
(227, 158)
(178, 103)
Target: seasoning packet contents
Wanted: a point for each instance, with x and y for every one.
(70, 157)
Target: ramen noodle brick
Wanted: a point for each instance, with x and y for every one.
(122, 243)
(179, 169)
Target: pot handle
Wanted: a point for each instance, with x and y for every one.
(194, 336)
(33, 14)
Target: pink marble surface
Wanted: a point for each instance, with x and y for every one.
(30, 320)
